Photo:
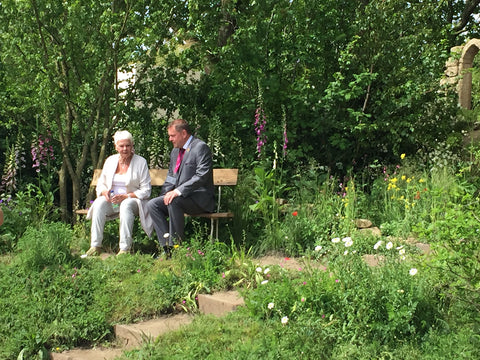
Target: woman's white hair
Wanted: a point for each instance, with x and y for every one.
(122, 135)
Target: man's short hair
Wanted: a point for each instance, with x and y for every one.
(180, 125)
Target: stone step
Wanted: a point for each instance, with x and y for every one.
(132, 335)
(219, 303)
(88, 354)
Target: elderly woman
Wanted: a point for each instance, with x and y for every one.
(124, 188)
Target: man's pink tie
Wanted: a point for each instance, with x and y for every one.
(181, 152)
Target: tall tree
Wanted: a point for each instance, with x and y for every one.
(68, 55)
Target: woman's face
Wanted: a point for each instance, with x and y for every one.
(124, 148)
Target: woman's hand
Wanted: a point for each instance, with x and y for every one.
(117, 199)
(106, 193)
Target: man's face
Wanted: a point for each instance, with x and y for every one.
(177, 138)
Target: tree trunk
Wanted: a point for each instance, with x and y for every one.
(76, 194)
(62, 186)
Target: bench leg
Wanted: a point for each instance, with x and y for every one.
(211, 229)
(214, 225)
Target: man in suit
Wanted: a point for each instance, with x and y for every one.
(188, 187)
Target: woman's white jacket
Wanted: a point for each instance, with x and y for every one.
(137, 181)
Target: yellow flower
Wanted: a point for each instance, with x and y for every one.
(403, 177)
(421, 181)
(391, 186)
(176, 246)
(402, 156)
(393, 180)
(408, 180)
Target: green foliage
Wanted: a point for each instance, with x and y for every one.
(345, 92)
(134, 287)
(58, 300)
(455, 237)
(406, 306)
(218, 338)
(46, 246)
(346, 102)
(32, 206)
(360, 304)
(50, 307)
(204, 262)
(266, 191)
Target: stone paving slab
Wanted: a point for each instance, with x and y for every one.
(220, 303)
(88, 354)
(132, 335)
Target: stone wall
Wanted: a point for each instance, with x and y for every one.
(457, 71)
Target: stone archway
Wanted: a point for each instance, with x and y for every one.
(457, 70)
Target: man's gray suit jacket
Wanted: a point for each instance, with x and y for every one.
(195, 176)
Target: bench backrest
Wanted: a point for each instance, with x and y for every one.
(220, 176)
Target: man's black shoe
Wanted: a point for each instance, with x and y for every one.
(167, 250)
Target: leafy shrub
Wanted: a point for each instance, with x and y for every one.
(28, 207)
(204, 261)
(47, 245)
(455, 239)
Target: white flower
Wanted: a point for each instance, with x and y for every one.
(318, 248)
(349, 242)
(378, 244)
(345, 252)
(389, 245)
(401, 252)
(266, 271)
(413, 271)
(336, 240)
(258, 269)
(284, 320)
(264, 282)
(271, 305)
(347, 238)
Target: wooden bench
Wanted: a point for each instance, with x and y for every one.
(221, 177)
